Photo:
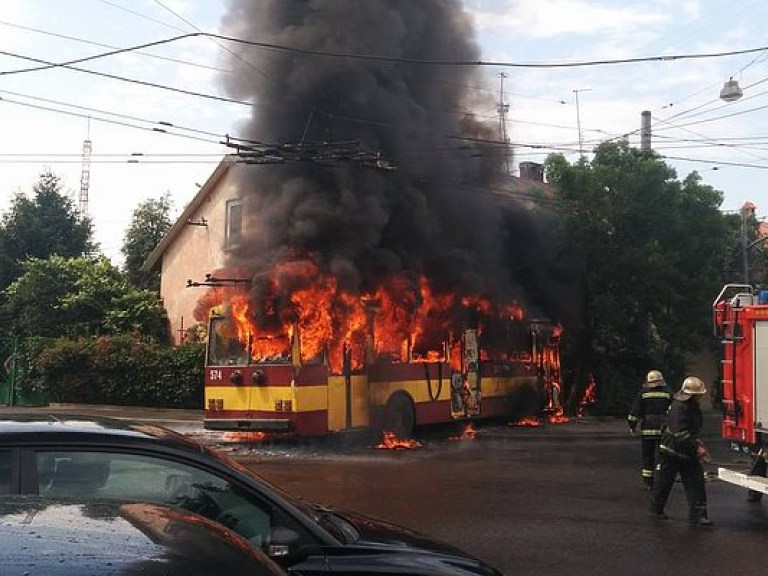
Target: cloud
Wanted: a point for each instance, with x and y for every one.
(550, 18)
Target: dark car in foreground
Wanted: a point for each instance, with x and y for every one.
(83, 536)
(57, 456)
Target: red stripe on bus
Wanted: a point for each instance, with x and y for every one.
(266, 375)
(313, 423)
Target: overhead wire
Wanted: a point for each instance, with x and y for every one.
(139, 14)
(219, 44)
(129, 80)
(112, 47)
(392, 59)
(47, 65)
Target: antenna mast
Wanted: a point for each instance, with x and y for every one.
(502, 107)
(85, 173)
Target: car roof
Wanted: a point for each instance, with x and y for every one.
(63, 536)
(58, 427)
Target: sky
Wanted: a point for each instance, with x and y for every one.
(46, 115)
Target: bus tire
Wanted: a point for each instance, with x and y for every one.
(400, 416)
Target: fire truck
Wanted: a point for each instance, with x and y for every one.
(740, 321)
(281, 382)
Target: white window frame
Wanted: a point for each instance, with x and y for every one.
(230, 241)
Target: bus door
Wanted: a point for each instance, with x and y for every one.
(465, 384)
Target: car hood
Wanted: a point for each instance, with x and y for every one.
(385, 548)
(374, 532)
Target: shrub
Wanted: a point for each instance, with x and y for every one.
(122, 370)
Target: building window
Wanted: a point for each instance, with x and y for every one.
(234, 230)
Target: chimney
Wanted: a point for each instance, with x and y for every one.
(532, 171)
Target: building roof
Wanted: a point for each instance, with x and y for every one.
(154, 257)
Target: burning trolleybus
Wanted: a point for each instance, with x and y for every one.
(315, 359)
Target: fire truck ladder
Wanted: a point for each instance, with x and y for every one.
(731, 336)
(730, 339)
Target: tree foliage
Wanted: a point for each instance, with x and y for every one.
(150, 223)
(124, 370)
(652, 251)
(41, 226)
(77, 297)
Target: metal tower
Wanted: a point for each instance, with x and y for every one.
(502, 108)
(85, 174)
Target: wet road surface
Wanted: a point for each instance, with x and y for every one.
(560, 499)
(534, 502)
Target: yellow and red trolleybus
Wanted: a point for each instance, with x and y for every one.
(264, 380)
(297, 353)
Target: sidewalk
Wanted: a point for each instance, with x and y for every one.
(177, 419)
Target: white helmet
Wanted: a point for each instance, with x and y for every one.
(692, 386)
(654, 378)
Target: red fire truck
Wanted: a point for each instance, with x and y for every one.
(740, 320)
(274, 377)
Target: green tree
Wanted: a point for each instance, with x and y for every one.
(41, 226)
(150, 223)
(80, 297)
(652, 252)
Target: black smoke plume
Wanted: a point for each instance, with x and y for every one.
(437, 214)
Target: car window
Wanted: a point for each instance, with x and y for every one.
(5, 471)
(139, 477)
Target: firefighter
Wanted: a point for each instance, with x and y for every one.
(680, 452)
(649, 410)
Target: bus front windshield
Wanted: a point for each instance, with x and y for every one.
(224, 346)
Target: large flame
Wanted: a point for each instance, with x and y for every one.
(403, 319)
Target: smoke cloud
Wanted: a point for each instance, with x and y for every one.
(436, 214)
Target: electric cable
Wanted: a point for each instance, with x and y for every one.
(111, 47)
(391, 59)
(124, 79)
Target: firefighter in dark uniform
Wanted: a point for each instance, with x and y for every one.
(680, 452)
(649, 410)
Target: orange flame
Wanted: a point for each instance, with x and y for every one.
(298, 309)
(558, 417)
(469, 433)
(589, 397)
(391, 442)
(245, 436)
(528, 421)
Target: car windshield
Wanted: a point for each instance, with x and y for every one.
(234, 464)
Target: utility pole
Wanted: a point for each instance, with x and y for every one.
(645, 130)
(578, 119)
(744, 245)
(502, 107)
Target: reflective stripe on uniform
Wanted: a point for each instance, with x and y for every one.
(646, 473)
(651, 432)
(665, 395)
(668, 450)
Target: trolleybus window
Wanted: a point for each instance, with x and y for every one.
(224, 346)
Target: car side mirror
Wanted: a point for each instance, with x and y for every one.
(282, 542)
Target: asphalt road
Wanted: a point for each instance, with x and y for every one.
(559, 499)
(562, 500)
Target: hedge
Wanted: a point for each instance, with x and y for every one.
(121, 370)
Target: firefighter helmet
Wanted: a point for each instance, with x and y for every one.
(692, 386)
(654, 378)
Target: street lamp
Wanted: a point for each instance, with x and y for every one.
(731, 91)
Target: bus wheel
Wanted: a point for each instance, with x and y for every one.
(399, 416)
